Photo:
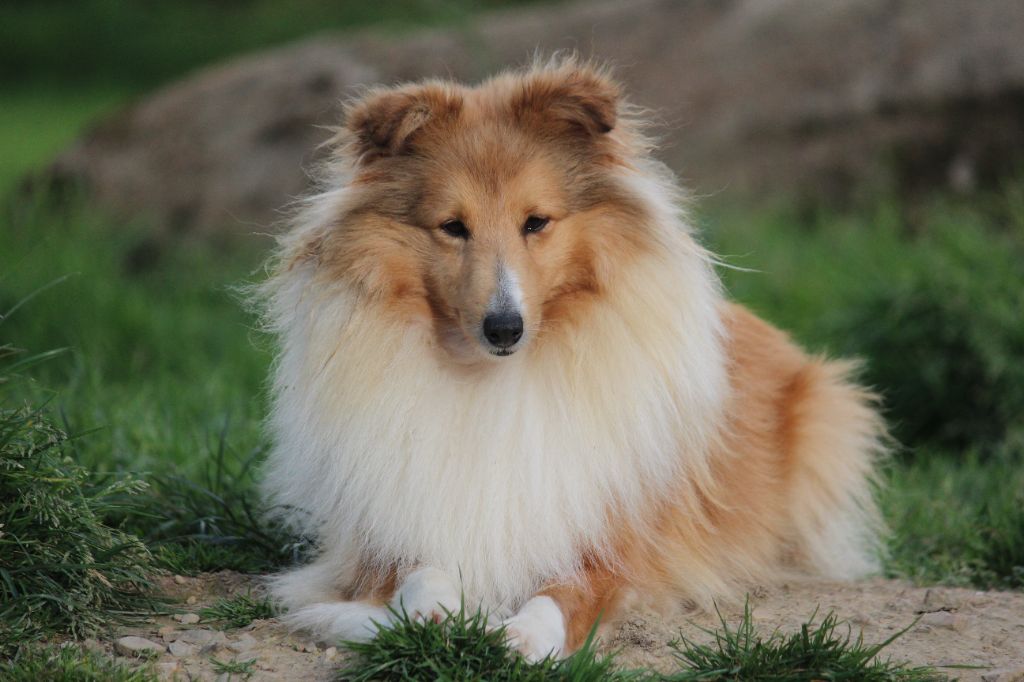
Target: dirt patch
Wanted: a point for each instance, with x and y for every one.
(956, 627)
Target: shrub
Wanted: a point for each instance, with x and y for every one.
(62, 568)
(946, 342)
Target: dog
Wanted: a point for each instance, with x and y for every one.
(509, 379)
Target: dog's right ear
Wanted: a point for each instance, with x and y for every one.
(386, 121)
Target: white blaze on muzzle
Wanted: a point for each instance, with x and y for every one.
(508, 296)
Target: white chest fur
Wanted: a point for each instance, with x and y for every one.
(501, 475)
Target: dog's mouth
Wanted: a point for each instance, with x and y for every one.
(503, 352)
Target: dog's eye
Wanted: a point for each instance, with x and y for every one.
(455, 228)
(535, 224)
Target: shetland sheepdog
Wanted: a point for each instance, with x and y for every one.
(509, 378)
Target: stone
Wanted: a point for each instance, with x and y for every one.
(330, 653)
(179, 648)
(245, 642)
(945, 619)
(180, 580)
(187, 618)
(203, 638)
(137, 646)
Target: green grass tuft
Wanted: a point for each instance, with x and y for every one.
(71, 663)
(239, 611)
(244, 669)
(462, 647)
(818, 651)
(217, 522)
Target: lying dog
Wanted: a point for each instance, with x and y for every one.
(508, 374)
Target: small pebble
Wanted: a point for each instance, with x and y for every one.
(137, 646)
(187, 618)
(945, 619)
(331, 653)
(180, 579)
(191, 599)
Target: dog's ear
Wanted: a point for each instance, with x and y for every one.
(569, 93)
(385, 122)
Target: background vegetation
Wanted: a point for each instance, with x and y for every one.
(161, 384)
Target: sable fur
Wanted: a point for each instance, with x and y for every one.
(646, 436)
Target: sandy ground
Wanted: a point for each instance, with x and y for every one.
(957, 627)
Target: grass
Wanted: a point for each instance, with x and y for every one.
(958, 523)
(463, 647)
(64, 569)
(239, 611)
(817, 651)
(215, 521)
(71, 664)
(145, 364)
(37, 122)
(243, 669)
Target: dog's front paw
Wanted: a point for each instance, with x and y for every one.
(538, 630)
(427, 594)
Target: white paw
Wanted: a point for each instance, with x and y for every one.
(427, 594)
(343, 620)
(538, 630)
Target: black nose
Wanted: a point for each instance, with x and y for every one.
(503, 329)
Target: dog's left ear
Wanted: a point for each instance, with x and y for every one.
(570, 93)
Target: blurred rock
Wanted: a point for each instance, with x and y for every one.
(794, 96)
(137, 646)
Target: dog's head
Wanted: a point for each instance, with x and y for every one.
(492, 212)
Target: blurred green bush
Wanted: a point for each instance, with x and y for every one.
(946, 343)
(930, 296)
